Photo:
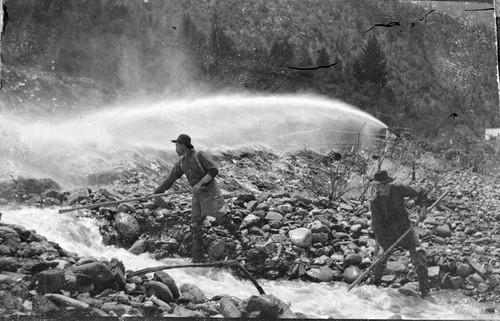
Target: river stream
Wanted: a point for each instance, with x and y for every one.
(316, 300)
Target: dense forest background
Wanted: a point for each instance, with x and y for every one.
(410, 64)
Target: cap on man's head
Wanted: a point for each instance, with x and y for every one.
(381, 178)
(185, 140)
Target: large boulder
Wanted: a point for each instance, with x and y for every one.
(44, 306)
(139, 246)
(244, 198)
(217, 250)
(301, 237)
(250, 220)
(268, 307)
(320, 238)
(395, 267)
(127, 225)
(8, 232)
(193, 292)
(228, 309)
(9, 263)
(463, 270)
(321, 274)
(165, 278)
(87, 298)
(478, 267)
(274, 216)
(99, 272)
(118, 271)
(264, 304)
(352, 273)
(65, 301)
(352, 259)
(38, 248)
(318, 227)
(160, 290)
(10, 238)
(443, 231)
(78, 195)
(50, 281)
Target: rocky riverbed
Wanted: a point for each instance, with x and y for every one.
(286, 231)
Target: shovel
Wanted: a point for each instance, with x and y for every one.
(122, 201)
(389, 250)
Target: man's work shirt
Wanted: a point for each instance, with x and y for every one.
(390, 217)
(194, 170)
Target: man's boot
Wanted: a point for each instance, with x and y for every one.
(419, 261)
(376, 275)
(378, 272)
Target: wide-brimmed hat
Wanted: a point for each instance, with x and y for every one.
(185, 140)
(381, 178)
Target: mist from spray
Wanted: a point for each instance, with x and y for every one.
(70, 148)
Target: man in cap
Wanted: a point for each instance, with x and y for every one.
(390, 220)
(200, 171)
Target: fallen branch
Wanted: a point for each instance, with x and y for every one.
(212, 264)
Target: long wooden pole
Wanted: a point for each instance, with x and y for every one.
(212, 264)
(389, 250)
(121, 201)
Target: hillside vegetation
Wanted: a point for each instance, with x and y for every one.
(411, 66)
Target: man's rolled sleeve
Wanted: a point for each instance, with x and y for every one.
(175, 174)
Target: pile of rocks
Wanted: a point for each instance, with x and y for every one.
(284, 233)
(38, 278)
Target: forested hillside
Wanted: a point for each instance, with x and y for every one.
(409, 65)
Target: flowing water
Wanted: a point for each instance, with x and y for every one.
(66, 148)
(315, 300)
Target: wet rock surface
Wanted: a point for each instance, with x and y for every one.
(40, 286)
(285, 232)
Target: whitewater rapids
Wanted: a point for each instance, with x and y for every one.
(315, 300)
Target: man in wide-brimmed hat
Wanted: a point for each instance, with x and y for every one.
(200, 171)
(390, 220)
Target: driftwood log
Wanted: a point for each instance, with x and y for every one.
(212, 264)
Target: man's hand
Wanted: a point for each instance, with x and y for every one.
(199, 187)
(423, 214)
(157, 200)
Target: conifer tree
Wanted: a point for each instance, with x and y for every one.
(191, 40)
(371, 65)
(221, 45)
